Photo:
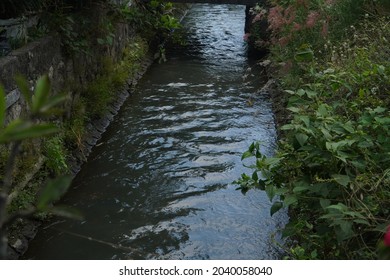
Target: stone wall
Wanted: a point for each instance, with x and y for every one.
(68, 73)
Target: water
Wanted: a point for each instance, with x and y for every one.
(159, 184)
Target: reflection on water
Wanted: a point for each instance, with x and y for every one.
(160, 183)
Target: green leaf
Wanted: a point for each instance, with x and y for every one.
(346, 227)
(272, 161)
(361, 221)
(66, 212)
(262, 185)
(41, 94)
(21, 130)
(300, 92)
(343, 180)
(300, 186)
(301, 138)
(322, 111)
(24, 88)
(243, 189)
(53, 101)
(287, 127)
(305, 120)
(276, 207)
(53, 190)
(289, 199)
(251, 148)
(324, 203)
(2, 107)
(247, 154)
(255, 177)
(304, 55)
(294, 109)
(326, 133)
(311, 94)
(339, 206)
(359, 164)
(270, 191)
(100, 41)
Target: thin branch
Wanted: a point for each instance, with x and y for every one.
(9, 168)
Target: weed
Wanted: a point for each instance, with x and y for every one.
(55, 155)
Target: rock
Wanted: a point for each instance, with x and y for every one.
(20, 245)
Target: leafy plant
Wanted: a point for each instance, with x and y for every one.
(41, 104)
(55, 155)
(332, 167)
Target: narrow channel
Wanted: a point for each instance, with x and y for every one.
(159, 183)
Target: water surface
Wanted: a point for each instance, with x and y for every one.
(160, 180)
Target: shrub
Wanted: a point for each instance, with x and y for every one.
(332, 167)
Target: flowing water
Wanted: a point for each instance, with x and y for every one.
(159, 183)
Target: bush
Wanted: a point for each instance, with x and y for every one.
(332, 168)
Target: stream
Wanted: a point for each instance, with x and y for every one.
(159, 183)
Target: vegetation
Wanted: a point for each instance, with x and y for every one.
(83, 37)
(41, 105)
(332, 167)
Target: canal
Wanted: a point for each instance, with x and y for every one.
(159, 183)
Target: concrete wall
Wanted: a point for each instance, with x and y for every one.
(46, 56)
(67, 72)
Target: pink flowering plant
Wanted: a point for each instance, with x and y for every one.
(386, 239)
(293, 23)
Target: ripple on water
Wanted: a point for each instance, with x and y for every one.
(160, 183)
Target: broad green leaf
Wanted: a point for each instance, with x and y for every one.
(322, 110)
(361, 221)
(255, 177)
(311, 94)
(100, 41)
(246, 154)
(287, 127)
(366, 144)
(339, 206)
(251, 147)
(294, 109)
(305, 120)
(304, 55)
(379, 110)
(301, 138)
(300, 92)
(300, 186)
(346, 227)
(243, 189)
(276, 207)
(270, 191)
(21, 130)
(348, 127)
(272, 161)
(326, 133)
(289, 199)
(343, 180)
(52, 191)
(2, 107)
(324, 203)
(41, 93)
(262, 185)
(359, 164)
(24, 88)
